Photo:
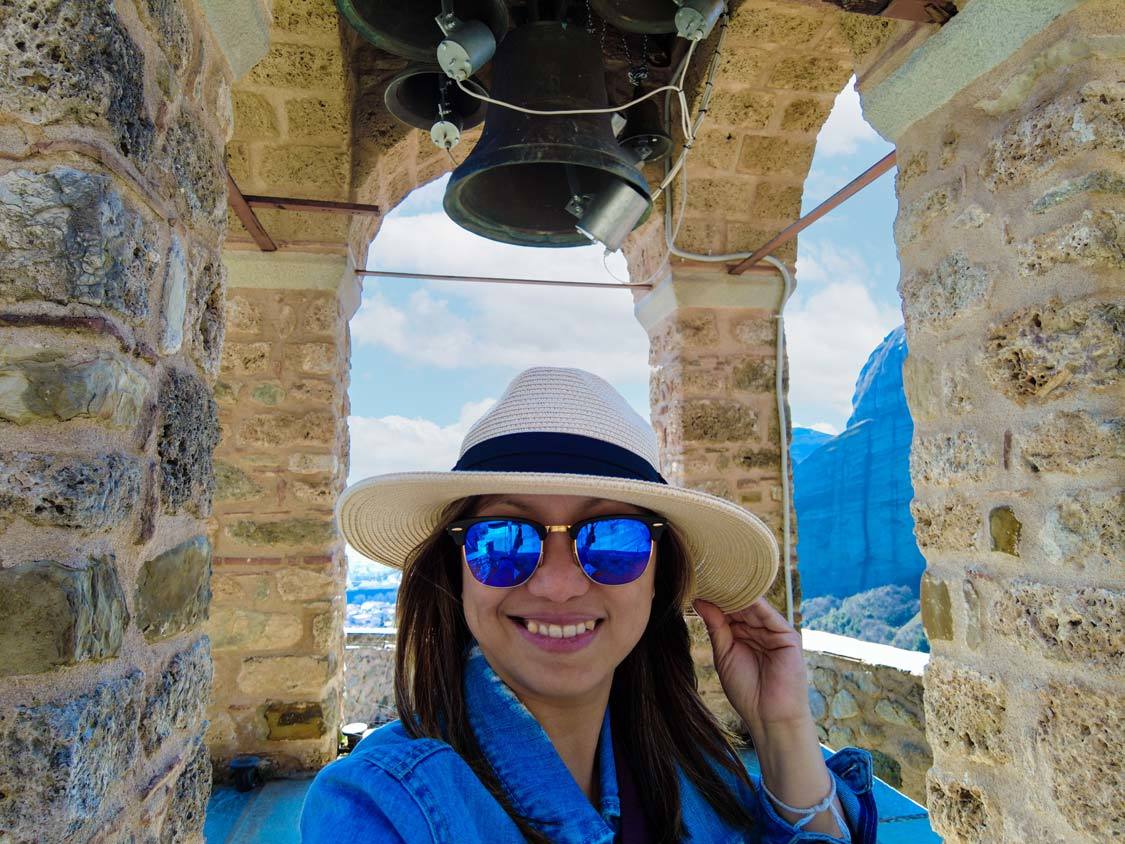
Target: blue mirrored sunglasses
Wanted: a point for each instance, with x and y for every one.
(504, 552)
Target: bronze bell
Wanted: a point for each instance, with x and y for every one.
(644, 135)
(422, 95)
(409, 28)
(530, 178)
(652, 17)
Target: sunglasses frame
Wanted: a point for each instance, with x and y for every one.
(458, 532)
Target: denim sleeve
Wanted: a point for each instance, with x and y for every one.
(341, 805)
(851, 768)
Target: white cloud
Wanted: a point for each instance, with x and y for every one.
(845, 129)
(397, 444)
(824, 262)
(824, 428)
(461, 325)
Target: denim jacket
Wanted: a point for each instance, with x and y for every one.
(397, 789)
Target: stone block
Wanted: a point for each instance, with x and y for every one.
(173, 301)
(226, 393)
(974, 616)
(53, 615)
(64, 760)
(934, 390)
(187, 805)
(312, 358)
(775, 202)
(58, 490)
(817, 704)
(1004, 531)
(1053, 350)
(309, 117)
(917, 217)
(321, 494)
(245, 358)
(937, 616)
(275, 676)
(306, 17)
(1071, 442)
(295, 721)
(811, 72)
(839, 737)
(717, 421)
(765, 155)
(192, 159)
(321, 316)
(714, 149)
(300, 66)
(174, 590)
(864, 33)
(292, 532)
(742, 108)
(1080, 737)
(269, 393)
(101, 82)
(949, 459)
(246, 630)
(887, 768)
(755, 375)
(932, 298)
(806, 114)
(895, 712)
(959, 812)
(1086, 121)
(1095, 240)
(71, 236)
(312, 464)
(232, 484)
(313, 391)
(254, 116)
(322, 169)
(38, 385)
(949, 525)
(176, 698)
(1084, 626)
(966, 712)
(243, 315)
(188, 434)
(770, 26)
(844, 705)
(206, 314)
(1088, 529)
(302, 584)
(1098, 182)
(270, 430)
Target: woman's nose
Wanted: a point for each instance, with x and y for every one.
(558, 577)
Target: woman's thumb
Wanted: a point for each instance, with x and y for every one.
(717, 626)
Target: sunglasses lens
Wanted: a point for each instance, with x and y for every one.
(502, 552)
(614, 551)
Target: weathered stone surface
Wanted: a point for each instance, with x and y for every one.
(245, 630)
(172, 29)
(92, 494)
(937, 617)
(298, 531)
(188, 804)
(243, 315)
(934, 390)
(717, 421)
(369, 681)
(811, 72)
(1084, 626)
(302, 584)
(101, 82)
(189, 432)
(309, 117)
(1081, 737)
(64, 760)
(70, 236)
(1052, 350)
(283, 675)
(1088, 529)
(817, 704)
(174, 590)
(269, 430)
(269, 393)
(53, 615)
(294, 721)
(960, 812)
(174, 299)
(323, 494)
(1097, 182)
(176, 699)
(805, 114)
(232, 484)
(894, 712)
(245, 358)
(1071, 442)
(254, 116)
(297, 66)
(966, 712)
(974, 616)
(932, 298)
(887, 768)
(916, 218)
(194, 162)
(948, 459)
(844, 705)
(948, 525)
(1095, 239)
(209, 287)
(323, 169)
(1004, 530)
(313, 358)
(311, 464)
(39, 385)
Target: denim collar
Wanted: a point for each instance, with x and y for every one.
(538, 783)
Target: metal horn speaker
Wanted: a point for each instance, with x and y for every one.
(409, 27)
(531, 178)
(652, 17)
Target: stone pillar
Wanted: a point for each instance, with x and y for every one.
(277, 621)
(714, 407)
(1010, 237)
(113, 117)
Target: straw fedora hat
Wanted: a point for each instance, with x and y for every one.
(565, 432)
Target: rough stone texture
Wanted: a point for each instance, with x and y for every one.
(233, 484)
(966, 712)
(53, 615)
(189, 433)
(195, 165)
(92, 494)
(174, 590)
(288, 675)
(1084, 625)
(950, 289)
(101, 81)
(38, 385)
(187, 805)
(64, 760)
(1004, 530)
(72, 236)
(295, 721)
(1087, 530)
(1071, 442)
(174, 302)
(950, 459)
(288, 532)
(369, 689)
(177, 696)
(937, 618)
(948, 525)
(246, 630)
(959, 812)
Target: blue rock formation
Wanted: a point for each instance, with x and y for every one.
(852, 493)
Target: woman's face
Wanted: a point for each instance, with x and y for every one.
(537, 666)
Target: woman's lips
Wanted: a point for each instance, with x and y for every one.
(553, 644)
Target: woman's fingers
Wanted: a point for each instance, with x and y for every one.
(761, 613)
(718, 628)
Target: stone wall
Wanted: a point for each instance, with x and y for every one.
(369, 678)
(112, 212)
(870, 696)
(1010, 235)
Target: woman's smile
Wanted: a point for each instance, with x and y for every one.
(558, 634)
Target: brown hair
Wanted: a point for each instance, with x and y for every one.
(658, 716)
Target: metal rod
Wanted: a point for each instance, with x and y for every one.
(249, 219)
(325, 206)
(791, 231)
(493, 280)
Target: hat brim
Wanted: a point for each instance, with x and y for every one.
(734, 554)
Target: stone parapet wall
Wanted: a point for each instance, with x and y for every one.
(277, 622)
(369, 677)
(112, 211)
(870, 696)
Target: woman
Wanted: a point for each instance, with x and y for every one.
(543, 673)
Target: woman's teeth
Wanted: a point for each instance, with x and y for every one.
(557, 631)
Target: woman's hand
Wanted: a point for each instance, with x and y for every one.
(760, 663)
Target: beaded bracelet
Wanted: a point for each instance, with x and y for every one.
(811, 812)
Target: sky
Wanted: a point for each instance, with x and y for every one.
(428, 358)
